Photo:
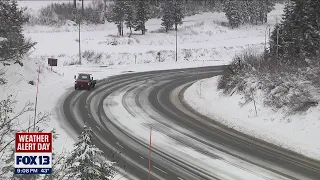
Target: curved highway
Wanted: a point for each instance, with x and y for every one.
(187, 145)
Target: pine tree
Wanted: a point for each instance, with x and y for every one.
(11, 20)
(172, 14)
(268, 6)
(129, 15)
(298, 36)
(85, 161)
(142, 15)
(99, 5)
(233, 13)
(278, 36)
(254, 12)
(310, 34)
(178, 13)
(117, 15)
(168, 16)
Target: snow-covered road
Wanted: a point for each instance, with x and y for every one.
(123, 110)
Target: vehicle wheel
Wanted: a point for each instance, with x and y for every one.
(89, 88)
(75, 87)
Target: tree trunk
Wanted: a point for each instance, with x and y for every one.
(122, 29)
(266, 18)
(142, 29)
(119, 29)
(130, 31)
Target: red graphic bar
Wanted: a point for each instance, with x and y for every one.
(33, 142)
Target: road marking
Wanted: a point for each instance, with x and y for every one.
(98, 128)
(141, 157)
(160, 170)
(180, 178)
(89, 115)
(119, 144)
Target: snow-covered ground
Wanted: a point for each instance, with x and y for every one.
(298, 132)
(2, 39)
(201, 37)
(54, 84)
(169, 138)
(202, 41)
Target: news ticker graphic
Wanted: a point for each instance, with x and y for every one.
(33, 153)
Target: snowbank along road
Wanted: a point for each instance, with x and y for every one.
(186, 145)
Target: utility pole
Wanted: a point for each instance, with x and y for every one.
(265, 37)
(266, 12)
(176, 27)
(81, 14)
(277, 26)
(176, 43)
(277, 42)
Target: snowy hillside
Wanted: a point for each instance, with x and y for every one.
(299, 132)
(273, 96)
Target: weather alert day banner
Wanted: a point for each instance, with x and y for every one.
(33, 153)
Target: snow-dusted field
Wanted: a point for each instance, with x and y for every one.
(201, 37)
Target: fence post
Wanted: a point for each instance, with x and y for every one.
(135, 59)
(254, 103)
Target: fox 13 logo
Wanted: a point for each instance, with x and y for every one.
(33, 160)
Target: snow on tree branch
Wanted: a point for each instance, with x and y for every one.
(86, 160)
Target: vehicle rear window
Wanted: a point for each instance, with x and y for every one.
(84, 77)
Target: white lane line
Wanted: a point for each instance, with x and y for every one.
(160, 169)
(141, 157)
(180, 178)
(119, 144)
(89, 115)
(98, 128)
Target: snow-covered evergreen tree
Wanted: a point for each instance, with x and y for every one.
(310, 29)
(233, 13)
(117, 15)
(11, 21)
(254, 12)
(267, 7)
(129, 15)
(168, 15)
(178, 13)
(172, 14)
(86, 160)
(298, 34)
(99, 5)
(142, 15)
